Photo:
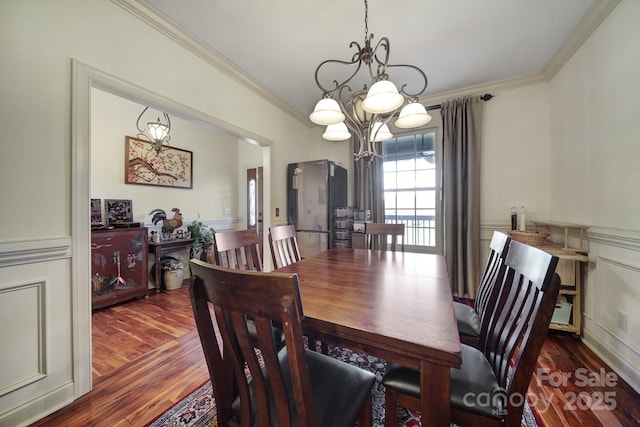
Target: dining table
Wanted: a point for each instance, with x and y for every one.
(397, 306)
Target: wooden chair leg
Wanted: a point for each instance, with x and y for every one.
(366, 414)
(391, 408)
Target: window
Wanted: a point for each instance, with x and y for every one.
(412, 189)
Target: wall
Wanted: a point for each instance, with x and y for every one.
(515, 155)
(214, 195)
(594, 175)
(43, 245)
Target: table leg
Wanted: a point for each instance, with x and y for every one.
(157, 264)
(436, 401)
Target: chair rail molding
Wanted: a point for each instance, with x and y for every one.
(32, 251)
(626, 239)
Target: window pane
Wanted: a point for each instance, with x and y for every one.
(389, 181)
(411, 187)
(407, 199)
(406, 179)
(406, 164)
(425, 178)
(426, 199)
(389, 200)
(252, 202)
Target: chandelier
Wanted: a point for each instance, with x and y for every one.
(367, 112)
(157, 133)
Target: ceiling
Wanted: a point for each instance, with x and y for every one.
(459, 44)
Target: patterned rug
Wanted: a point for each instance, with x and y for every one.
(198, 409)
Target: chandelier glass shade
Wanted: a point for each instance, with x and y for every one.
(365, 114)
(157, 133)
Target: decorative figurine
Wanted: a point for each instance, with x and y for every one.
(168, 225)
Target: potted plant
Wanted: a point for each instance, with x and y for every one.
(204, 235)
(172, 272)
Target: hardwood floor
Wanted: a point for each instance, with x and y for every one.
(147, 357)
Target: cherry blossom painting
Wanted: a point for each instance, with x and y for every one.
(171, 167)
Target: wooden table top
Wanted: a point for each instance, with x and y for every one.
(394, 305)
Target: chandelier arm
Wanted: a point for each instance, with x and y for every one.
(383, 43)
(166, 116)
(356, 59)
(138, 121)
(419, 71)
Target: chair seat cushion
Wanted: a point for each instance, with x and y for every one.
(474, 387)
(334, 406)
(468, 320)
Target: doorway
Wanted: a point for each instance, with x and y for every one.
(85, 79)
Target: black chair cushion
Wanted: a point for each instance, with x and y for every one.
(468, 320)
(335, 407)
(474, 387)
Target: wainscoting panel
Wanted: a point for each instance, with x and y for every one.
(24, 347)
(618, 295)
(612, 297)
(36, 360)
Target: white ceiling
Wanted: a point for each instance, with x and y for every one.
(458, 43)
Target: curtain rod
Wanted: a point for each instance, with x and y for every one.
(485, 97)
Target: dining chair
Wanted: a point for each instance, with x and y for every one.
(470, 318)
(284, 245)
(290, 386)
(285, 251)
(490, 387)
(377, 236)
(238, 249)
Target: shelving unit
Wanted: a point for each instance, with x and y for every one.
(570, 269)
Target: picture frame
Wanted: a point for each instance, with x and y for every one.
(171, 167)
(118, 211)
(96, 211)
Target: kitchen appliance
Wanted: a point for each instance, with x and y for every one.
(314, 190)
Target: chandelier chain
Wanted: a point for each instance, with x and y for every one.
(366, 22)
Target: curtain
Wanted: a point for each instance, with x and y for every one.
(368, 184)
(461, 126)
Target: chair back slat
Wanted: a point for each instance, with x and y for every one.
(284, 245)
(526, 291)
(238, 249)
(498, 249)
(266, 298)
(380, 236)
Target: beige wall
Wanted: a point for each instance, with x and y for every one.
(595, 151)
(214, 195)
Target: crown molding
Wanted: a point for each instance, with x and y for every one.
(141, 10)
(587, 25)
(498, 86)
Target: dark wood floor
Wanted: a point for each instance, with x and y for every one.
(147, 357)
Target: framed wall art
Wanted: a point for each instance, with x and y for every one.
(171, 167)
(96, 211)
(119, 211)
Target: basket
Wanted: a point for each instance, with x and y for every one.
(533, 238)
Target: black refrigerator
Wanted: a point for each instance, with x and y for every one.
(314, 190)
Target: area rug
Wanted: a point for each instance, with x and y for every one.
(198, 409)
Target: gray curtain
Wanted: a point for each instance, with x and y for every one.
(461, 122)
(368, 185)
